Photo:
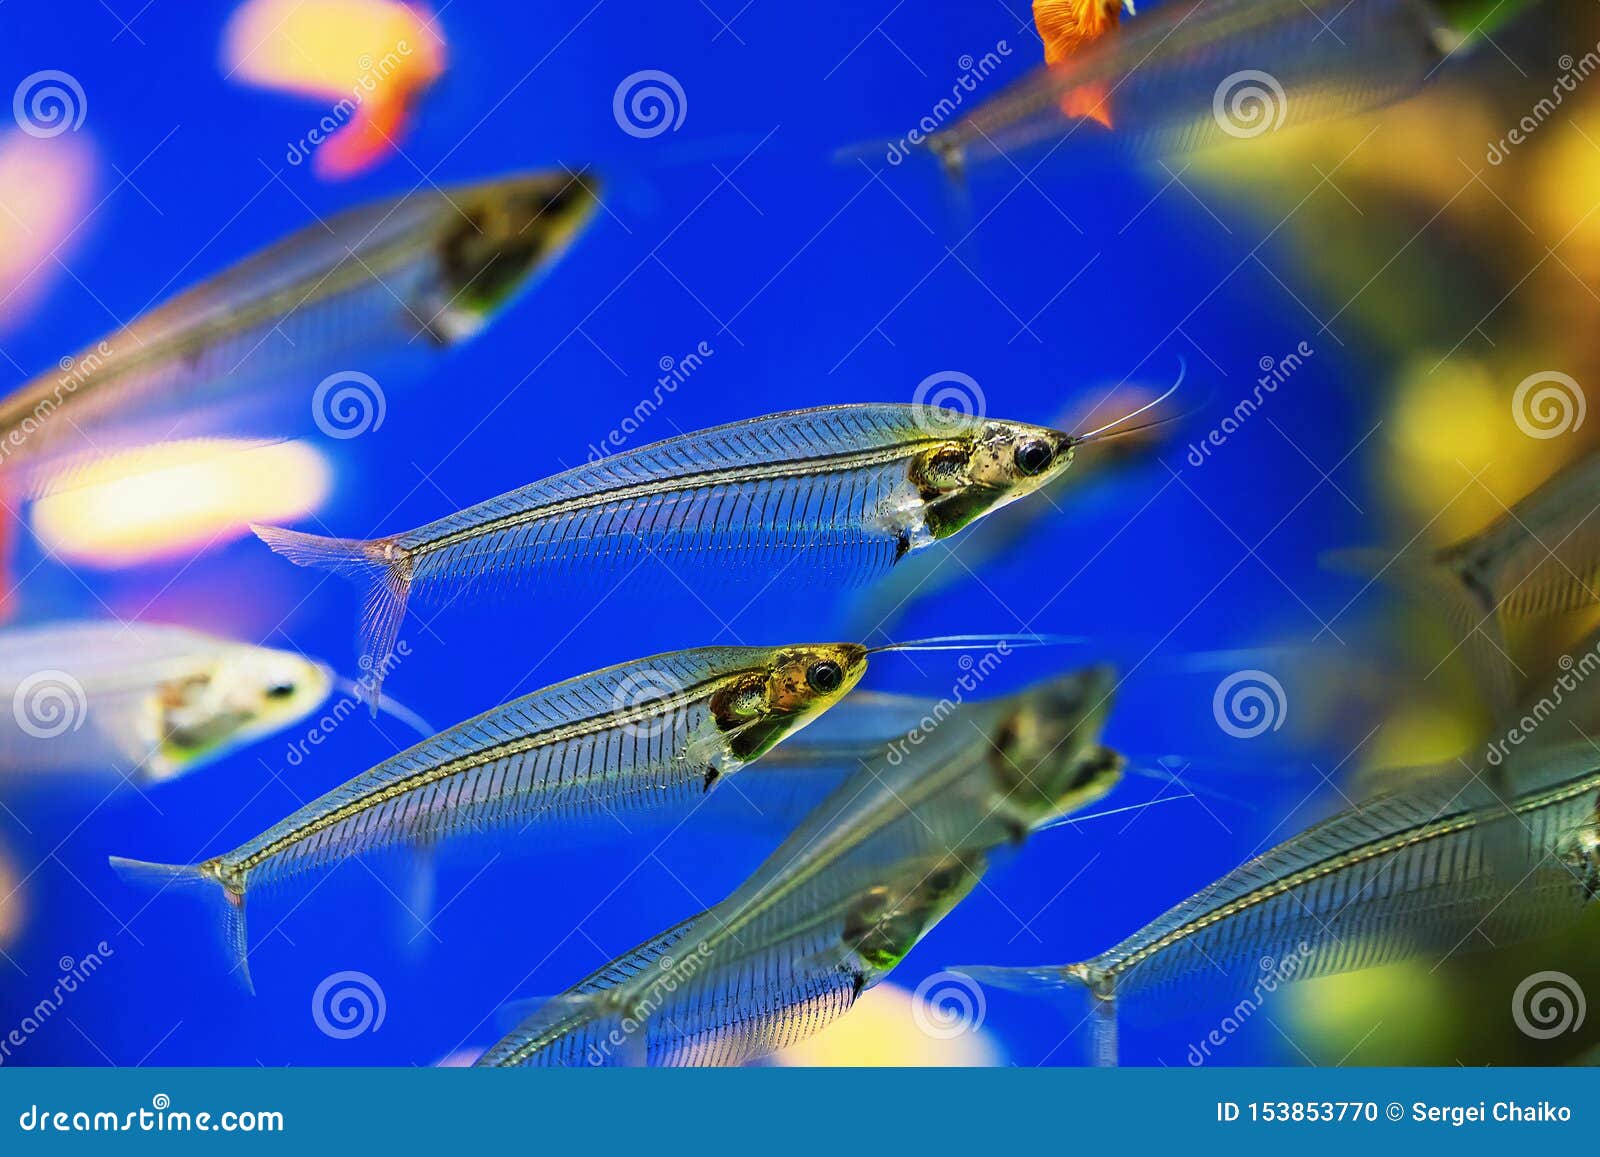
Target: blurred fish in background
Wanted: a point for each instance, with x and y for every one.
(12, 912)
(1488, 191)
(143, 701)
(170, 502)
(1189, 76)
(371, 61)
(46, 183)
(399, 279)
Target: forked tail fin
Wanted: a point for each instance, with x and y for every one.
(160, 877)
(379, 566)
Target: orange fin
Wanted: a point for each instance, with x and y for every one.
(1067, 25)
(1091, 100)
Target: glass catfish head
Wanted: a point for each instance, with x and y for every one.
(239, 696)
(498, 236)
(782, 691)
(1047, 750)
(983, 466)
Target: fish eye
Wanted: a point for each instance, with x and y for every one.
(280, 690)
(826, 676)
(1034, 457)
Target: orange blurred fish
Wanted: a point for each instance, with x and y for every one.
(371, 60)
(1197, 73)
(1067, 25)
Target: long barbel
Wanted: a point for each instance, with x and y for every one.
(422, 271)
(836, 906)
(840, 493)
(631, 737)
(1408, 872)
(1191, 75)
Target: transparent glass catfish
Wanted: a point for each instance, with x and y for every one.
(1438, 869)
(1541, 557)
(142, 699)
(842, 493)
(880, 607)
(837, 906)
(1188, 75)
(633, 737)
(411, 274)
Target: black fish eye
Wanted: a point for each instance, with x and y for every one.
(825, 676)
(280, 691)
(1034, 457)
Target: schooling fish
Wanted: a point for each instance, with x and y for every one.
(632, 737)
(1191, 75)
(425, 270)
(844, 898)
(1406, 873)
(838, 493)
(676, 1001)
(144, 699)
